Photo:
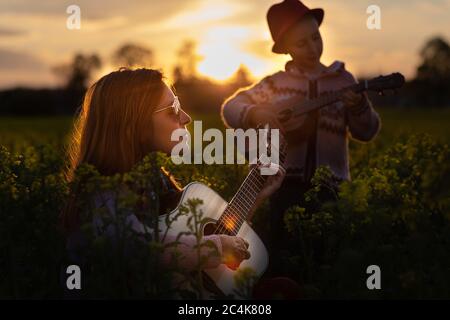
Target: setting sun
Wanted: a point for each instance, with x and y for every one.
(221, 57)
(220, 61)
(221, 53)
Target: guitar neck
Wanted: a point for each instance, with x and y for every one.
(309, 105)
(240, 206)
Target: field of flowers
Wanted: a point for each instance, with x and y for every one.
(395, 213)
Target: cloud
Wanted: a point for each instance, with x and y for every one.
(7, 32)
(260, 47)
(19, 68)
(139, 10)
(16, 60)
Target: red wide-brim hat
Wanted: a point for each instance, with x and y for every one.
(284, 15)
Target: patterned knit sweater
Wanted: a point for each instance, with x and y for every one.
(334, 123)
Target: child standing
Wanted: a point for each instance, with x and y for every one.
(323, 138)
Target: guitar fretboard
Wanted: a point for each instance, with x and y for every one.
(238, 209)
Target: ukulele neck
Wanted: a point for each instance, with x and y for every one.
(332, 97)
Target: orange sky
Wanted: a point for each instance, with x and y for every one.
(34, 37)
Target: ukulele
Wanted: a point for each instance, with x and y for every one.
(288, 110)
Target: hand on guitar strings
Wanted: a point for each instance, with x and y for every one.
(273, 182)
(351, 99)
(261, 115)
(234, 250)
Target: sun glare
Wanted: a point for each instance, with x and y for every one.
(220, 61)
(222, 54)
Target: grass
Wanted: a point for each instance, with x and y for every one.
(16, 132)
(435, 122)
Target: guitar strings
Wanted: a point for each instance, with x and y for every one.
(252, 180)
(236, 201)
(243, 203)
(231, 210)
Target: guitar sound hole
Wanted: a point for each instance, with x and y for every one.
(209, 228)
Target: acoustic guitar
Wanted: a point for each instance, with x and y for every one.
(221, 217)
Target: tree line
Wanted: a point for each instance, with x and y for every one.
(429, 88)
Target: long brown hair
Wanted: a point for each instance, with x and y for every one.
(113, 130)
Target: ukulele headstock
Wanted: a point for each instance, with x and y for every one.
(383, 84)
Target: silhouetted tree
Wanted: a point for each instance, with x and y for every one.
(435, 61)
(241, 78)
(133, 55)
(186, 67)
(432, 83)
(78, 73)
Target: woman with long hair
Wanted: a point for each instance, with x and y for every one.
(124, 116)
